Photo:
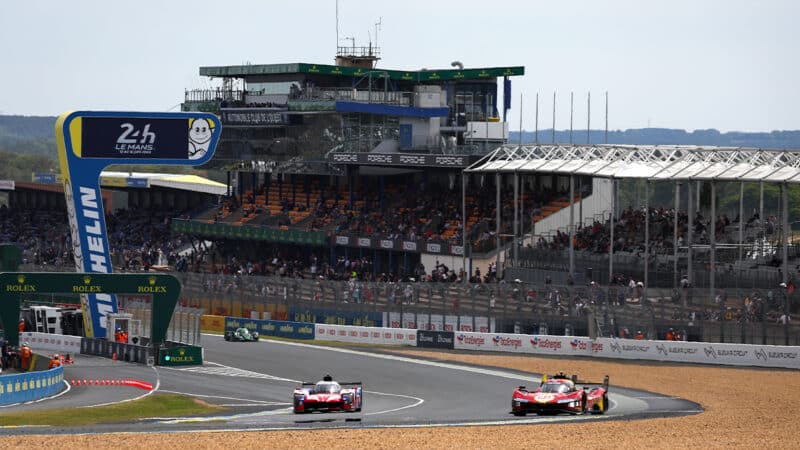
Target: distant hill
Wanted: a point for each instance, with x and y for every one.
(28, 135)
(35, 136)
(666, 136)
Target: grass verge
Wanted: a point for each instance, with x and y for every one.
(156, 405)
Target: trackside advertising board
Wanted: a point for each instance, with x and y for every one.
(437, 322)
(293, 330)
(366, 335)
(29, 386)
(668, 351)
(187, 355)
(435, 339)
(702, 352)
(88, 142)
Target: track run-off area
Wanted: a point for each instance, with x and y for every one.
(254, 381)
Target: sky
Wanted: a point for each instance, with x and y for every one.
(686, 64)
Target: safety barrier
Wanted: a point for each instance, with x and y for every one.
(667, 351)
(46, 342)
(435, 339)
(366, 335)
(212, 323)
(115, 350)
(25, 387)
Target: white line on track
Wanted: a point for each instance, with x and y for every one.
(259, 402)
(175, 420)
(223, 370)
(496, 373)
(419, 401)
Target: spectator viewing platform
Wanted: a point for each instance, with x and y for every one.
(277, 112)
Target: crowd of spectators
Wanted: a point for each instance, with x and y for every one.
(138, 238)
(427, 212)
(629, 231)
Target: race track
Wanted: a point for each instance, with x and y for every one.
(255, 380)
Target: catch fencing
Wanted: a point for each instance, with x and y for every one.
(741, 316)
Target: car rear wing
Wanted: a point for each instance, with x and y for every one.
(604, 384)
(341, 383)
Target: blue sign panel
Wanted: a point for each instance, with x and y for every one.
(333, 317)
(405, 135)
(291, 330)
(44, 178)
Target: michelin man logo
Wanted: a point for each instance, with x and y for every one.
(200, 131)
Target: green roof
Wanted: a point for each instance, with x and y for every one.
(325, 69)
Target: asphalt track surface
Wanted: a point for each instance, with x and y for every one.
(254, 380)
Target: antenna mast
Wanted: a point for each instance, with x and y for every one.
(377, 28)
(337, 26)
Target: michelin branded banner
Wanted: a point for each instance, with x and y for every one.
(89, 141)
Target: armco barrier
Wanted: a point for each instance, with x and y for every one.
(293, 330)
(667, 351)
(366, 335)
(25, 387)
(435, 339)
(45, 342)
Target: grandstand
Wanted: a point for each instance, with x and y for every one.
(362, 189)
(359, 153)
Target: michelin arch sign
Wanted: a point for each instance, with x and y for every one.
(88, 142)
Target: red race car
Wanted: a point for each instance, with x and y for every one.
(327, 395)
(561, 394)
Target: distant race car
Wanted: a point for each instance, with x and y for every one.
(327, 395)
(561, 394)
(242, 335)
